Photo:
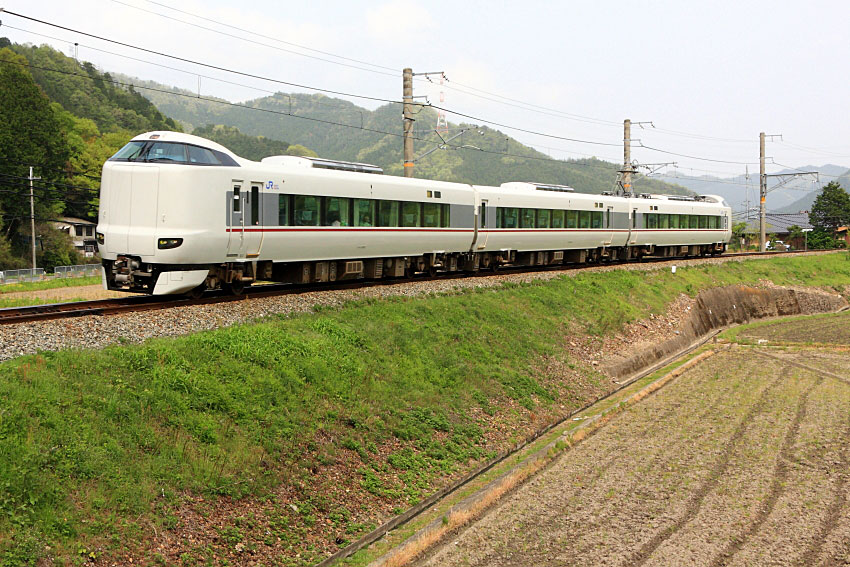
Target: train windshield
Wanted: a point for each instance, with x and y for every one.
(172, 152)
(130, 152)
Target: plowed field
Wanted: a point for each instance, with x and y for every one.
(743, 460)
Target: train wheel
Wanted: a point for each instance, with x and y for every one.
(236, 287)
(197, 292)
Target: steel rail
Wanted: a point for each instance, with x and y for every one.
(135, 303)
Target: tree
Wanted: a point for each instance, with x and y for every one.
(29, 134)
(831, 209)
(738, 230)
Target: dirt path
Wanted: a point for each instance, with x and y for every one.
(742, 461)
(58, 294)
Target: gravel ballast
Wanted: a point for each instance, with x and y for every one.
(99, 331)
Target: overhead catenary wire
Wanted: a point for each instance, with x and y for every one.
(202, 64)
(298, 85)
(449, 84)
(301, 117)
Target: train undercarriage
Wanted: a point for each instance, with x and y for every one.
(130, 274)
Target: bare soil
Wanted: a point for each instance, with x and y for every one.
(827, 329)
(741, 461)
(59, 294)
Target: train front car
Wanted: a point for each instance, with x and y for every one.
(157, 198)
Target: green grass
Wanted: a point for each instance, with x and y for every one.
(25, 301)
(113, 435)
(49, 284)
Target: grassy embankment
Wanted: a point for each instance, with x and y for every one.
(7, 289)
(323, 424)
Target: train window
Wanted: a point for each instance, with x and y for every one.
(431, 215)
(650, 220)
(163, 151)
(306, 210)
(596, 219)
(255, 204)
(387, 213)
(572, 219)
(543, 218)
(237, 199)
(445, 220)
(199, 155)
(130, 152)
(693, 221)
(674, 221)
(527, 218)
(364, 212)
(584, 219)
(283, 210)
(508, 217)
(410, 214)
(663, 221)
(336, 211)
(703, 221)
(557, 219)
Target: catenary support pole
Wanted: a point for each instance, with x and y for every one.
(32, 221)
(627, 155)
(407, 83)
(763, 196)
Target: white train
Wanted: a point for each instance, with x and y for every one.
(180, 214)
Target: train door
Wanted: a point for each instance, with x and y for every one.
(609, 225)
(236, 222)
(253, 221)
(483, 229)
(633, 217)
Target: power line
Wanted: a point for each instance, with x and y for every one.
(201, 64)
(697, 157)
(276, 112)
(340, 93)
(254, 33)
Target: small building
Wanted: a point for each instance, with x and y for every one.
(843, 233)
(779, 224)
(81, 232)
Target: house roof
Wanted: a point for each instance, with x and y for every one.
(779, 222)
(73, 220)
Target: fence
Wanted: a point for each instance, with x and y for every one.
(18, 276)
(30, 275)
(79, 271)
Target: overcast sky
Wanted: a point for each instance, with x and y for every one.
(709, 75)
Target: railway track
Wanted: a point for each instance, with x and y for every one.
(134, 303)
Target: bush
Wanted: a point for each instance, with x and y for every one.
(823, 240)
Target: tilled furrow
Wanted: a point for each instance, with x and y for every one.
(778, 480)
(711, 481)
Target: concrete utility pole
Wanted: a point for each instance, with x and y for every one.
(407, 98)
(763, 195)
(627, 155)
(32, 218)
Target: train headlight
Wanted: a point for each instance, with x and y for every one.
(168, 243)
(99, 237)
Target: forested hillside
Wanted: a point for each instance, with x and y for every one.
(250, 147)
(375, 137)
(66, 118)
